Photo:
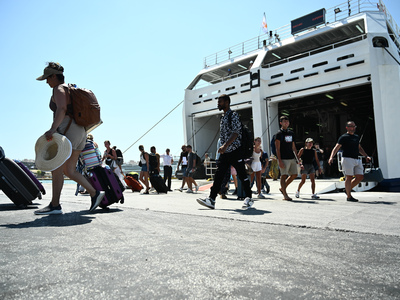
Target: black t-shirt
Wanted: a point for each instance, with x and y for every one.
(286, 137)
(350, 145)
(308, 156)
(183, 157)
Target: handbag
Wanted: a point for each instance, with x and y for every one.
(248, 168)
(373, 175)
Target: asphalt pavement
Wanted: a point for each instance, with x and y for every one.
(161, 246)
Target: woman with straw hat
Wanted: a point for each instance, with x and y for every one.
(60, 104)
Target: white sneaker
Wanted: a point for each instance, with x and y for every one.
(196, 188)
(248, 202)
(208, 202)
(189, 191)
(297, 194)
(260, 196)
(181, 189)
(314, 196)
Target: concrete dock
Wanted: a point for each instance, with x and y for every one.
(161, 246)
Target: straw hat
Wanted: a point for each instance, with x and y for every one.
(52, 154)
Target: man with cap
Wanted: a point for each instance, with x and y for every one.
(64, 123)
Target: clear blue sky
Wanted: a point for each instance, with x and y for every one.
(136, 56)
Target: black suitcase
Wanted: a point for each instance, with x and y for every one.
(158, 183)
(16, 184)
(241, 194)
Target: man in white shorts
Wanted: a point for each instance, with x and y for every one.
(351, 164)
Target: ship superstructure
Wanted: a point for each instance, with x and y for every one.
(323, 69)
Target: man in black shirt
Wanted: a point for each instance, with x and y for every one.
(285, 152)
(231, 154)
(351, 164)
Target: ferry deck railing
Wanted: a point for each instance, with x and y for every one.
(336, 13)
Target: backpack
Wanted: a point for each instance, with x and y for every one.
(198, 160)
(152, 161)
(120, 158)
(247, 143)
(86, 109)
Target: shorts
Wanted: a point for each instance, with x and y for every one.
(290, 167)
(144, 168)
(308, 169)
(189, 172)
(256, 166)
(352, 166)
(75, 133)
(184, 171)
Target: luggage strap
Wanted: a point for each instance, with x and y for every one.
(70, 116)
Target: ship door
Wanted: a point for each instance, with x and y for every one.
(323, 117)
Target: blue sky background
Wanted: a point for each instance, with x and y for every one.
(136, 56)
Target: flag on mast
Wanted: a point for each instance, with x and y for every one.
(264, 24)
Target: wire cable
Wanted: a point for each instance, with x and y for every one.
(154, 125)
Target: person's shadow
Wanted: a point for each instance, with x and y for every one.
(249, 212)
(67, 219)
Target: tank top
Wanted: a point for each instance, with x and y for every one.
(256, 156)
(109, 160)
(142, 158)
(308, 156)
(53, 105)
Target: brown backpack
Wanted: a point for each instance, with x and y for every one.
(85, 108)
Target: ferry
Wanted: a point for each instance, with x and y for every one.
(321, 70)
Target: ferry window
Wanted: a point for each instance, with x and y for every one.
(345, 57)
(297, 70)
(380, 42)
(320, 64)
(276, 75)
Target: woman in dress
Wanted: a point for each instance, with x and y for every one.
(256, 165)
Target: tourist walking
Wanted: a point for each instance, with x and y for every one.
(308, 156)
(64, 123)
(145, 167)
(230, 154)
(286, 154)
(351, 163)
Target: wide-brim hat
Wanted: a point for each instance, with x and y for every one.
(52, 154)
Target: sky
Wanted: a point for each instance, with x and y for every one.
(136, 56)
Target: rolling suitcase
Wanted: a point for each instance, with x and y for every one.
(241, 194)
(133, 184)
(103, 179)
(158, 183)
(15, 183)
(31, 176)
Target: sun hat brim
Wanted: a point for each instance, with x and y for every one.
(52, 154)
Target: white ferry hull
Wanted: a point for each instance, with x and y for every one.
(354, 77)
